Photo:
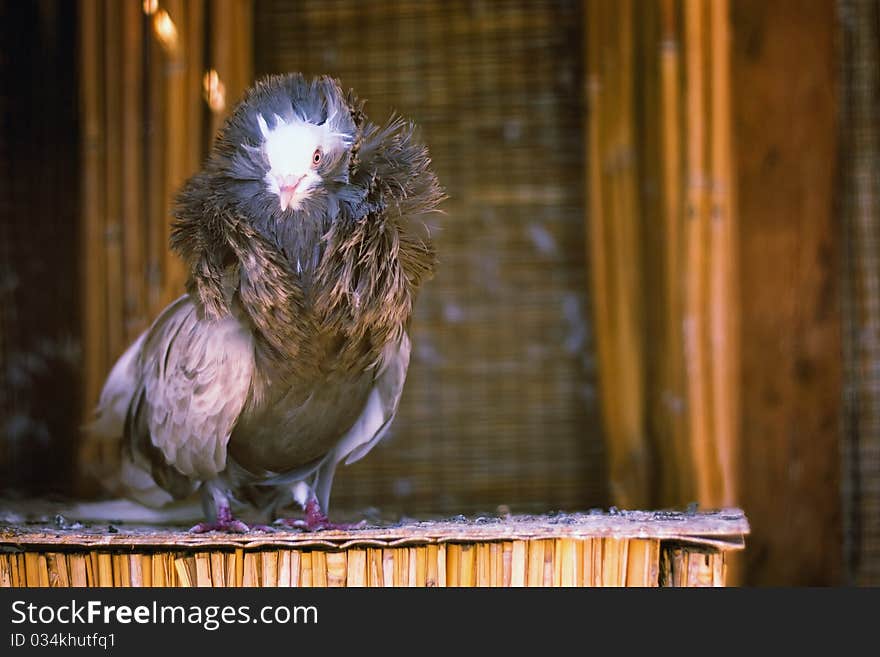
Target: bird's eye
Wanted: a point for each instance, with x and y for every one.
(316, 157)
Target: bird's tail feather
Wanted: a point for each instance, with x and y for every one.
(110, 464)
(119, 510)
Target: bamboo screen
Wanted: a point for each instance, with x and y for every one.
(499, 403)
(860, 207)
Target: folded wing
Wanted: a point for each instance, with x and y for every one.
(196, 378)
(381, 406)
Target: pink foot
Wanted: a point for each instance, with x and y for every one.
(316, 520)
(224, 523)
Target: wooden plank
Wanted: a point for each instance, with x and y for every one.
(441, 566)
(468, 565)
(157, 575)
(319, 568)
(122, 569)
(496, 567)
(789, 241)
(356, 572)
(375, 567)
(251, 569)
(104, 569)
(177, 98)
(32, 565)
(136, 570)
(453, 564)
(147, 569)
(724, 303)
(5, 571)
(156, 203)
(433, 557)
(388, 567)
(184, 566)
(631, 483)
(337, 564)
(269, 568)
(419, 566)
(695, 301)
(219, 575)
(284, 568)
(194, 63)
(613, 240)
(231, 51)
(535, 566)
(642, 562)
(112, 237)
(295, 567)
(677, 485)
(700, 570)
(709, 527)
(596, 224)
(57, 565)
(401, 567)
(132, 173)
(92, 253)
(305, 576)
(203, 576)
(76, 566)
(550, 572)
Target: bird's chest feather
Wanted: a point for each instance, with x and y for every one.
(307, 396)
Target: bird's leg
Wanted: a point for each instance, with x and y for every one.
(315, 518)
(215, 502)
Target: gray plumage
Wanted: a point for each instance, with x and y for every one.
(305, 243)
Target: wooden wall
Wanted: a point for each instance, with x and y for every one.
(785, 81)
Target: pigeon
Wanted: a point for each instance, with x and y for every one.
(306, 241)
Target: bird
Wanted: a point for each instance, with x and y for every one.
(306, 240)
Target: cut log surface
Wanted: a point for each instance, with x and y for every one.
(721, 529)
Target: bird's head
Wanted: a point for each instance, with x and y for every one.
(294, 151)
(286, 148)
(295, 158)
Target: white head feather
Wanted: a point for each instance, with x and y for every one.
(291, 149)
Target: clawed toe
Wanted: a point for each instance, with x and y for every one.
(316, 520)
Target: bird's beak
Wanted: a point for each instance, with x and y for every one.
(288, 186)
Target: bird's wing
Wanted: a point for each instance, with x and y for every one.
(381, 406)
(197, 376)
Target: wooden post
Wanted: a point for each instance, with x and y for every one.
(112, 238)
(92, 251)
(132, 155)
(614, 260)
(677, 481)
(176, 138)
(724, 306)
